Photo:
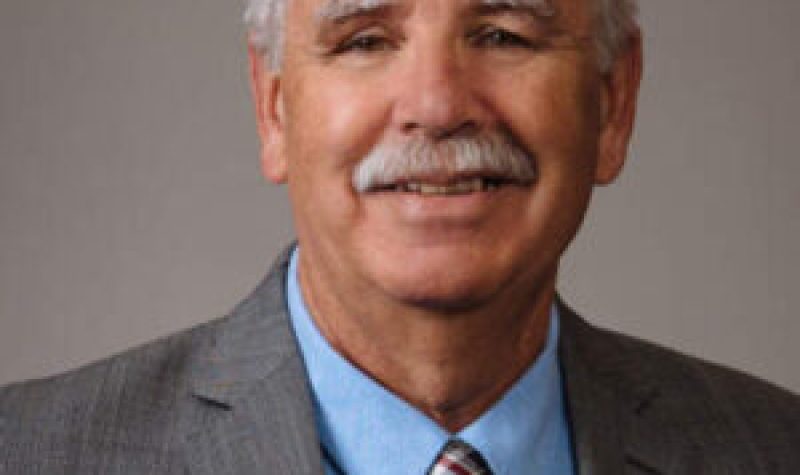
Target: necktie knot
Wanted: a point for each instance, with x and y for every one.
(459, 458)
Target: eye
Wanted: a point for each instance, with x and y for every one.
(493, 37)
(364, 43)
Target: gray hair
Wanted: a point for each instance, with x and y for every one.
(494, 154)
(615, 21)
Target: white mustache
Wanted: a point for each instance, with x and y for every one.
(495, 155)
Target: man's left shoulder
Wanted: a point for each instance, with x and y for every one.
(694, 383)
(680, 407)
(719, 410)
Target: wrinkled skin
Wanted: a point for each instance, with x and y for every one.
(381, 271)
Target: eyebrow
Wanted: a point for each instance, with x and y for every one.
(339, 11)
(541, 9)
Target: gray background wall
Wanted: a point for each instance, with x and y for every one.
(131, 203)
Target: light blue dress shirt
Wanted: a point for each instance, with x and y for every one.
(365, 429)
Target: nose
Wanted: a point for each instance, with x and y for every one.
(437, 97)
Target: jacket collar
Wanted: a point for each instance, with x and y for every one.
(252, 407)
(612, 390)
(251, 411)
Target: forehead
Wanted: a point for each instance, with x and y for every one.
(335, 8)
(573, 12)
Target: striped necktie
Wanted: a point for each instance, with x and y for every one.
(459, 458)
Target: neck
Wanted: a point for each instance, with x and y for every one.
(452, 366)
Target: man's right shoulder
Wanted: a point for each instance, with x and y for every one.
(121, 407)
(131, 413)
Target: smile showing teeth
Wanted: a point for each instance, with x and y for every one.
(470, 185)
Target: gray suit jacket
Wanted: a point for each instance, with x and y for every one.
(231, 397)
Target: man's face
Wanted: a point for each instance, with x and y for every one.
(390, 72)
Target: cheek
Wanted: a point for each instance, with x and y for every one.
(551, 112)
(336, 118)
(341, 113)
(331, 124)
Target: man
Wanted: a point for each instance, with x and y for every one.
(440, 155)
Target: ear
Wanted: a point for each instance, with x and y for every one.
(268, 98)
(619, 98)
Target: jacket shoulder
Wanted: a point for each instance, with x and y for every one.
(79, 421)
(695, 383)
(706, 411)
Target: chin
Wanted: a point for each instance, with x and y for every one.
(439, 281)
(440, 295)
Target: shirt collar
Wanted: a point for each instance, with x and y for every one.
(362, 425)
(526, 430)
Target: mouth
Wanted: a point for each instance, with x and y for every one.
(447, 186)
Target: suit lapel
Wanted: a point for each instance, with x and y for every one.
(250, 410)
(610, 394)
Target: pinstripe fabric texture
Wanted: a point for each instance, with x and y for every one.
(230, 397)
(459, 458)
